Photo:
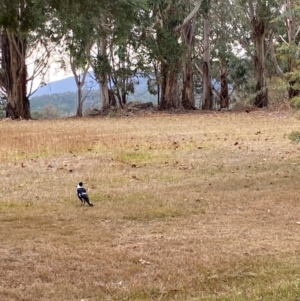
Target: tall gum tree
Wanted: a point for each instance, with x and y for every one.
(123, 55)
(109, 57)
(87, 22)
(252, 19)
(78, 47)
(188, 31)
(99, 59)
(287, 47)
(161, 41)
(100, 63)
(207, 99)
(20, 21)
(290, 20)
(259, 29)
(223, 52)
(169, 52)
(23, 41)
(214, 43)
(80, 69)
(14, 75)
(188, 36)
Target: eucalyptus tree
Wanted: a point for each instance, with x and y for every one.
(252, 19)
(188, 37)
(292, 21)
(80, 68)
(88, 27)
(74, 30)
(222, 43)
(123, 52)
(285, 47)
(212, 50)
(228, 67)
(207, 103)
(168, 35)
(22, 24)
(161, 40)
(214, 40)
(111, 56)
(130, 38)
(98, 57)
(257, 13)
(123, 71)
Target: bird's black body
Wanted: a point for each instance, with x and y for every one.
(82, 195)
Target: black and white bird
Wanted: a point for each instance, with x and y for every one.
(82, 194)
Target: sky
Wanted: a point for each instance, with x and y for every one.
(53, 74)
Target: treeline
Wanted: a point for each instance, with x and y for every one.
(180, 46)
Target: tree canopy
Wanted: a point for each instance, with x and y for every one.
(182, 47)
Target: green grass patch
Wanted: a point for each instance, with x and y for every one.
(270, 279)
(134, 157)
(294, 136)
(139, 207)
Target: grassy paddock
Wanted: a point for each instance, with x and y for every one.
(187, 207)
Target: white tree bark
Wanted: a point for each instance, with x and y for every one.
(80, 81)
(206, 81)
(191, 15)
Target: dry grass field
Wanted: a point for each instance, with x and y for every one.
(188, 207)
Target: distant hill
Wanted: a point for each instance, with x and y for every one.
(65, 85)
(63, 95)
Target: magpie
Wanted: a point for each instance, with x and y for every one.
(82, 195)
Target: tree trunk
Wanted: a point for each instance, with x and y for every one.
(103, 76)
(207, 102)
(118, 95)
(104, 91)
(13, 48)
(224, 96)
(292, 92)
(261, 99)
(79, 102)
(124, 97)
(112, 98)
(170, 97)
(80, 81)
(158, 83)
(292, 65)
(188, 99)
